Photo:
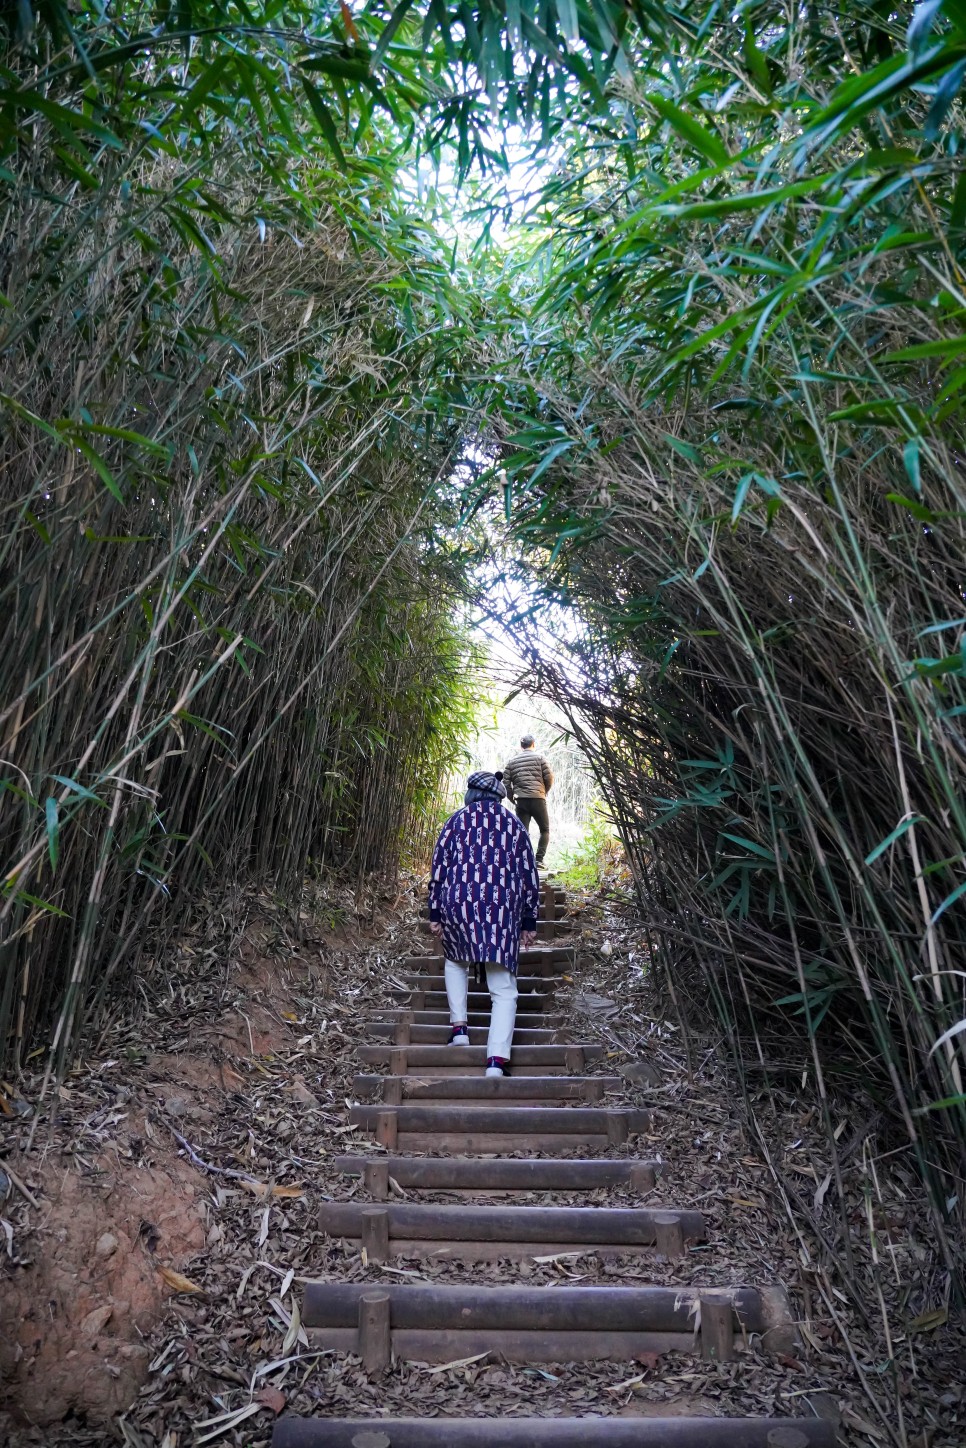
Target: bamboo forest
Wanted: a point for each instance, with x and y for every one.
(381, 381)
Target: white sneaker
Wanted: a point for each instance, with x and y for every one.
(494, 1071)
(459, 1038)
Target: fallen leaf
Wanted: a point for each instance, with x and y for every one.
(97, 1319)
(561, 1256)
(791, 1362)
(649, 1360)
(927, 1321)
(271, 1398)
(224, 1422)
(458, 1363)
(627, 1383)
(263, 1229)
(856, 1420)
(180, 1284)
(269, 1189)
(301, 1093)
(292, 1336)
(820, 1191)
(824, 1406)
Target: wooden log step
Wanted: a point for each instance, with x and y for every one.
(456, 1073)
(426, 1346)
(546, 929)
(477, 999)
(469, 1141)
(562, 954)
(392, 1095)
(436, 1307)
(589, 1432)
(429, 1323)
(527, 992)
(533, 989)
(469, 1173)
(527, 985)
(472, 1089)
(532, 1121)
(420, 1056)
(439, 1035)
(529, 1020)
(428, 1249)
(549, 964)
(603, 1226)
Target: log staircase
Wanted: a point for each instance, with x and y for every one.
(419, 1095)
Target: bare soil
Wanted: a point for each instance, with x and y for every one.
(158, 1232)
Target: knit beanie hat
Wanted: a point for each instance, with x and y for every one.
(484, 785)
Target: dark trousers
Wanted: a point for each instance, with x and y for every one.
(536, 809)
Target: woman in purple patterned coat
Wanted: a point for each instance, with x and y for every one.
(484, 895)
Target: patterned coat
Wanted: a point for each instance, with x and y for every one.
(484, 888)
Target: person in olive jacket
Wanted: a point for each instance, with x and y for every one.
(528, 777)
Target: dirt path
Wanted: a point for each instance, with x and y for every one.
(199, 1140)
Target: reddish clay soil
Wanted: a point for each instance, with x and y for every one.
(79, 1311)
(117, 1203)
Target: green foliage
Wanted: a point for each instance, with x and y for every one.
(225, 425)
(584, 868)
(729, 407)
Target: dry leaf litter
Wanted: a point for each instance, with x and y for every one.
(157, 1235)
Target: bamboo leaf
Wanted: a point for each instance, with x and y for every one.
(701, 137)
(946, 92)
(326, 121)
(99, 466)
(924, 16)
(890, 839)
(747, 844)
(79, 789)
(953, 1031)
(756, 61)
(950, 899)
(52, 820)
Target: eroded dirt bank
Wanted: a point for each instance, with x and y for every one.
(164, 1220)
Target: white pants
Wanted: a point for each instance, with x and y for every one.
(502, 986)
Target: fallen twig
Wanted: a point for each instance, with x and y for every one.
(21, 1188)
(196, 1160)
